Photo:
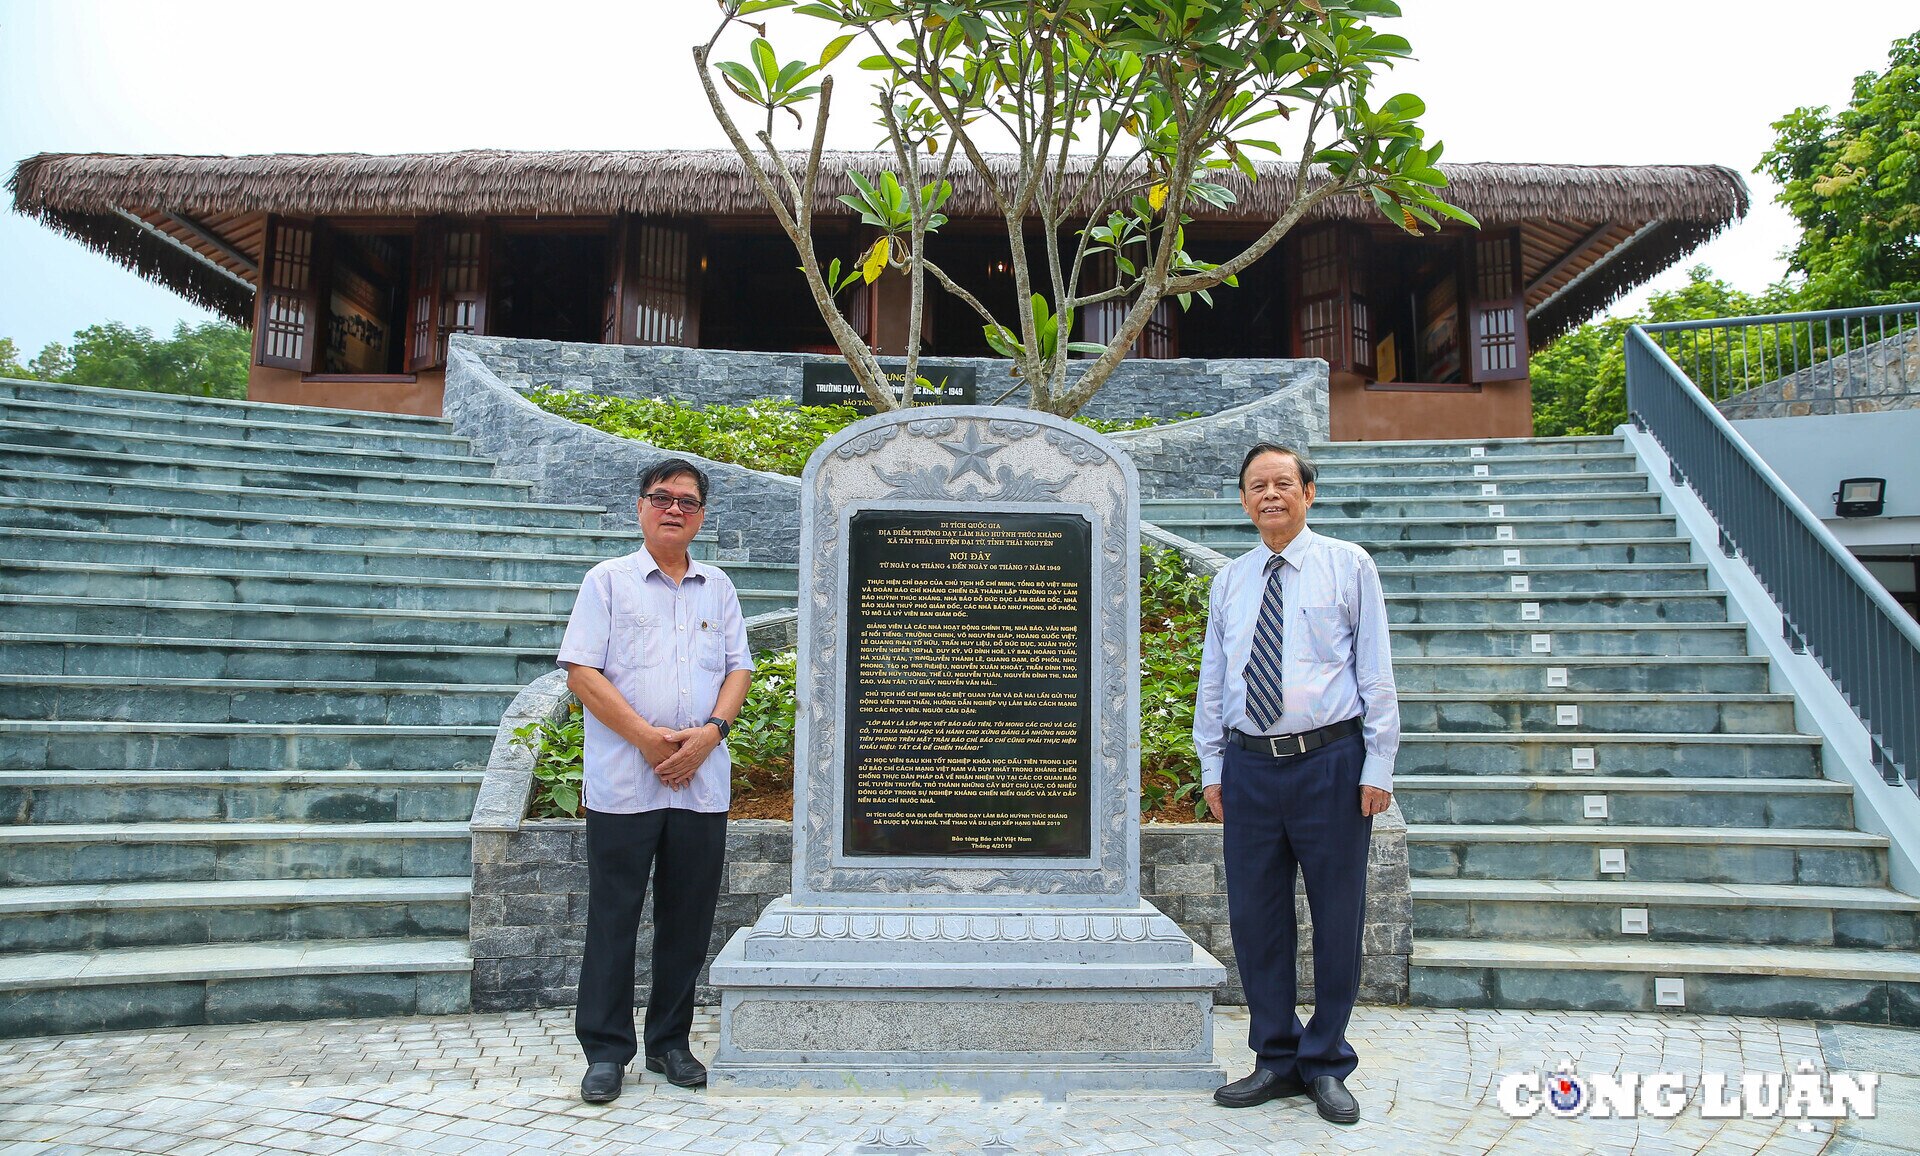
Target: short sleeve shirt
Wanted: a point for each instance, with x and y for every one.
(666, 646)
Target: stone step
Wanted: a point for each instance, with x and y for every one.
(1549, 607)
(1235, 538)
(78, 488)
(157, 468)
(1856, 986)
(187, 408)
(1497, 467)
(1486, 487)
(1567, 711)
(325, 557)
(184, 446)
(1633, 802)
(108, 916)
(1527, 553)
(1769, 756)
(1526, 910)
(167, 618)
(153, 746)
(1564, 578)
(1568, 639)
(1568, 851)
(107, 796)
(130, 656)
(171, 521)
(1464, 448)
(254, 429)
(29, 698)
(150, 987)
(1392, 507)
(59, 854)
(1576, 674)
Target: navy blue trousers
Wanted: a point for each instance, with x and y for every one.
(1282, 814)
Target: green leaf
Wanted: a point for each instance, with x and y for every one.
(766, 62)
(1085, 347)
(743, 80)
(835, 47)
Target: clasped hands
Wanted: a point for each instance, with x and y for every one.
(677, 755)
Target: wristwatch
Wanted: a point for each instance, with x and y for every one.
(725, 726)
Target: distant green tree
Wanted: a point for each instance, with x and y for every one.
(209, 360)
(1852, 181)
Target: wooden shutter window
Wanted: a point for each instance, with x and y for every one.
(1101, 321)
(1332, 319)
(1497, 324)
(663, 288)
(463, 286)
(288, 325)
(423, 303)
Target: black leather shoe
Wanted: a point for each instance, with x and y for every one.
(601, 1083)
(679, 1067)
(1336, 1104)
(1258, 1088)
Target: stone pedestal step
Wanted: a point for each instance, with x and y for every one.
(243, 700)
(1422, 506)
(58, 853)
(1464, 447)
(165, 468)
(1525, 552)
(105, 916)
(1666, 854)
(43, 614)
(1815, 804)
(1381, 529)
(232, 983)
(252, 429)
(1548, 911)
(1760, 756)
(156, 746)
(262, 498)
(185, 407)
(1497, 466)
(1806, 982)
(1577, 673)
(142, 657)
(1613, 609)
(187, 447)
(307, 557)
(93, 795)
(1568, 639)
(1553, 578)
(1467, 484)
(1555, 711)
(179, 521)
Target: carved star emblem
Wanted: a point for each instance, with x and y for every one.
(970, 456)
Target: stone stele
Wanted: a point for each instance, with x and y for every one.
(959, 934)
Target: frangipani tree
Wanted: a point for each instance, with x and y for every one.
(1103, 121)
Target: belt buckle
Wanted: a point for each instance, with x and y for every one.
(1295, 746)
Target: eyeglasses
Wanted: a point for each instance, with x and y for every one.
(661, 500)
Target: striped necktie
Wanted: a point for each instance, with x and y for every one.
(1263, 674)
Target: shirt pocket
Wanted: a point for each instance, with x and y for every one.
(641, 640)
(1328, 634)
(710, 647)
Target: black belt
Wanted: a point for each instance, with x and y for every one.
(1287, 746)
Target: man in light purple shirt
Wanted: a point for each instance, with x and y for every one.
(656, 651)
(1297, 724)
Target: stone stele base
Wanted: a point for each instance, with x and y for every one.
(988, 1003)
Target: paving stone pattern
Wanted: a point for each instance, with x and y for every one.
(506, 1084)
(529, 905)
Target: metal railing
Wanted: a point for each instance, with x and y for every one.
(1830, 606)
(1842, 355)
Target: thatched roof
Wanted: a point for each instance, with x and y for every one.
(88, 196)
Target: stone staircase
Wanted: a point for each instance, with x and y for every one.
(251, 662)
(1606, 807)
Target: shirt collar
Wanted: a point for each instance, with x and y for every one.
(645, 565)
(1293, 555)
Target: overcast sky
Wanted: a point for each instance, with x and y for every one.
(1687, 81)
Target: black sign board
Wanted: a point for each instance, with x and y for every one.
(833, 383)
(969, 708)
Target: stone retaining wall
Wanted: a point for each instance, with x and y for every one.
(1875, 378)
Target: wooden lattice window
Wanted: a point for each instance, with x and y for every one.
(1332, 319)
(287, 327)
(1497, 333)
(1101, 321)
(463, 285)
(662, 285)
(423, 301)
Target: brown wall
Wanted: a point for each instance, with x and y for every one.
(288, 387)
(1501, 409)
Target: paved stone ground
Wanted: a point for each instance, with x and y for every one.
(486, 1084)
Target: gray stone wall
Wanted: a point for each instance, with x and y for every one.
(1138, 388)
(1878, 377)
(530, 894)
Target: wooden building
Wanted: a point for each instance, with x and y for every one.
(353, 270)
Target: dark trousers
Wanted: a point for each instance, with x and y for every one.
(683, 851)
(1280, 814)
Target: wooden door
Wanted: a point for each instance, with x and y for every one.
(1332, 315)
(662, 304)
(423, 299)
(1496, 308)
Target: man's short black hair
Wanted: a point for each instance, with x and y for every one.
(1308, 471)
(666, 468)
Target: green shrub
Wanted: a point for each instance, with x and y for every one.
(557, 777)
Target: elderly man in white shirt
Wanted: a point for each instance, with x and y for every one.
(1297, 724)
(656, 651)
